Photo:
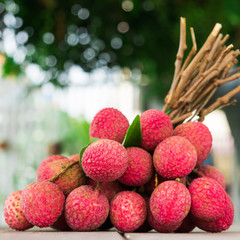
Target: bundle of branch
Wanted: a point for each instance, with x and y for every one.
(200, 75)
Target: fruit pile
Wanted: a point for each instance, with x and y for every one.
(145, 176)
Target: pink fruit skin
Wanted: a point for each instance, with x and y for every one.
(170, 202)
(140, 167)
(86, 209)
(13, 214)
(72, 177)
(155, 180)
(109, 123)
(128, 211)
(211, 172)
(174, 157)
(42, 203)
(199, 135)
(221, 224)
(156, 126)
(110, 189)
(159, 227)
(105, 160)
(209, 199)
(47, 160)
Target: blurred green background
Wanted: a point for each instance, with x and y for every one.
(62, 61)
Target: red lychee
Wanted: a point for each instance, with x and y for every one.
(46, 161)
(128, 211)
(42, 203)
(155, 180)
(220, 224)
(211, 172)
(110, 189)
(159, 227)
(156, 126)
(13, 214)
(105, 160)
(109, 123)
(199, 135)
(140, 167)
(174, 157)
(86, 209)
(209, 199)
(170, 202)
(66, 173)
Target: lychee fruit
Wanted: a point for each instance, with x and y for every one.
(66, 173)
(199, 135)
(170, 202)
(128, 211)
(174, 157)
(105, 160)
(155, 126)
(86, 208)
(13, 214)
(211, 172)
(159, 227)
(42, 203)
(209, 199)
(140, 167)
(221, 224)
(155, 180)
(109, 123)
(110, 189)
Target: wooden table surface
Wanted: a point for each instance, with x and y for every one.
(48, 234)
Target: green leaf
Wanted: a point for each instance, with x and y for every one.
(133, 136)
(84, 148)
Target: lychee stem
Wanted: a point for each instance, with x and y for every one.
(98, 185)
(156, 180)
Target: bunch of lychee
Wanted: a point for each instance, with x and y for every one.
(159, 184)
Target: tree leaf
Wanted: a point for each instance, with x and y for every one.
(133, 136)
(84, 148)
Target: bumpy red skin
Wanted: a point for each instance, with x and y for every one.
(73, 177)
(42, 203)
(211, 172)
(105, 160)
(209, 199)
(110, 189)
(170, 202)
(74, 157)
(155, 180)
(159, 227)
(174, 157)
(86, 209)
(47, 160)
(221, 224)
(128, 211)
(109, 123)
(199, 135)
(13, 214)
(156, 126)
(140, 167)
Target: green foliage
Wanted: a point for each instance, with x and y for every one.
(83, 33)
(134, 134)
(74, 134)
